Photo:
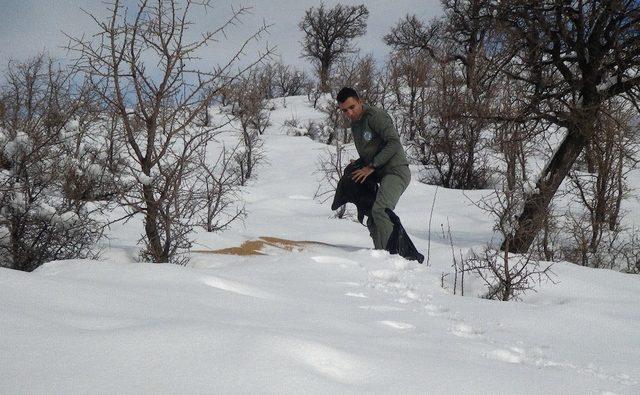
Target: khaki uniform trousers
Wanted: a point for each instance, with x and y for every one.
(392, 185)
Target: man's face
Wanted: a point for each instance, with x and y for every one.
(352, 108)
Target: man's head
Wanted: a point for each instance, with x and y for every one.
(350, 104)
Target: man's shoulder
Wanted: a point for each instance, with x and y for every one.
(377, 114)
(375, 111)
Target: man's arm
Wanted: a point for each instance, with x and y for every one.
(383, 126)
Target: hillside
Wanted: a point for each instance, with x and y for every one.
(330, 316)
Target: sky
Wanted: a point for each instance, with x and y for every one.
(28, 27)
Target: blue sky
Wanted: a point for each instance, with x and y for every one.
(30, 26)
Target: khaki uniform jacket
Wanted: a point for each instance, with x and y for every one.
(377, 141)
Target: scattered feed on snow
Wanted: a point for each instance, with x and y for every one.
(255, 247)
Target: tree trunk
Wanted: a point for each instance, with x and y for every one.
(537, 203)
(613, 219)
(151, 225)
(324, 77)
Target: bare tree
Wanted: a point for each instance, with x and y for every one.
(331, 167)
(250, 154)
(140, 64)
(409, 83)
(459, 45)
(599, 187)
(287, 81)
(449, 140)
(515, 135)
(328, 35)
(567, 60)
(506, 275)
(334, 128)
(575, 56)
(362, 74)
(249, 101)
(414, 36)
(248, 98)
(219, 183)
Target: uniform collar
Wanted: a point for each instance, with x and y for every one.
(366, 110)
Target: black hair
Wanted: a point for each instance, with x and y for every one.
(346, 93)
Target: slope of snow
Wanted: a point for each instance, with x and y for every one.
(330, 318)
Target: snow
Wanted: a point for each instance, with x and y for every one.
(73, 125)
(145, 179)
(66, 218)
(46, 210)
(335, 317)
(95, 170)
(610, 81)
(17, 146)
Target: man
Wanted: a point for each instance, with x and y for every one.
(380, 149)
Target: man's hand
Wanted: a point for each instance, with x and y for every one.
(361, 174)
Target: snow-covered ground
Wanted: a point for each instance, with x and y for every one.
(335, 318)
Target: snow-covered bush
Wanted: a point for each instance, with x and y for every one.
(38, 221)
(95, 167)
(35, 229)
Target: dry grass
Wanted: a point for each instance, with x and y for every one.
(255, 247)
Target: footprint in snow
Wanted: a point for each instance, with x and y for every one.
(335, 364)
(468, 331)
(405, 300)
(434, 310)
(398, 325)
(384, 275)
(512, 355)
(235, 287)
(349, 283)
(409, 294)
(381, 308)
(102, 324)
(333, 259)
(356, 295)
(401, 264)
(379, 253)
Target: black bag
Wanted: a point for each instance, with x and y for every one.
(400, 242)
(361, 194)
